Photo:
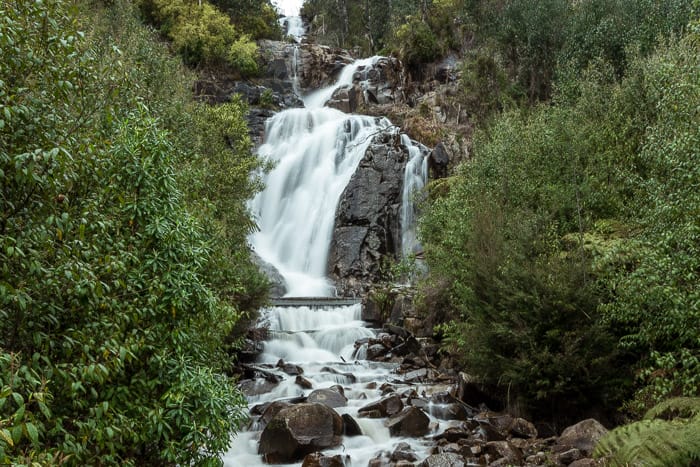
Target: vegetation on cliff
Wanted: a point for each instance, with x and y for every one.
(124, 265)
(563, 254)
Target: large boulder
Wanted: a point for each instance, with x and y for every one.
(409, 422)
(385, 407)
(583, 436)
(300, 430)
(328, 397)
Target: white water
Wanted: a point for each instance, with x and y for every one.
(315, 152)
(414, 180)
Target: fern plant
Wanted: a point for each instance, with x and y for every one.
(669, 435)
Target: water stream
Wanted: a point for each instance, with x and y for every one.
(316, 150)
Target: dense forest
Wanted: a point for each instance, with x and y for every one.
(563, 253)
(125, 266)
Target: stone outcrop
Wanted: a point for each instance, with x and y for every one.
(582, 436)
(320, 65)
(300, 430)
(409, 422)
(278, 287)
(367, 224)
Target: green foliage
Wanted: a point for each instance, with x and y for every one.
(654, 441)
(418, 44)
(569, 242)
(256, 18)
(658, 302)
(113, 303)
(202, 34)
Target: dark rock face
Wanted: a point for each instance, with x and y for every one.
(438, 162)
(319, 65)
(367, 224)
(409, 422)
(300, 430)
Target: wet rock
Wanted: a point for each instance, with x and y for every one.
(396, 330)
(503, 450)
(256, 387)
(403, 452)
(303, 382)
(290, 368)
(387, 406)
(416, 376)
(443, 460)
(320, 65)
(448, 411)
(583, 436)
(409, 422)
(521, 428)
(349, 378)
(318, 459)
(375, 351)
(300, 430)
(271, 410)
(344, 99)
(367, 225)
(350, 426)
(328, 397)
(278, 286)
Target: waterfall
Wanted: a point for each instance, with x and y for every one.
(414, 180)
(315, 153)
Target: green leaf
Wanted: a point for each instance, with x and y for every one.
(32, 432)
(7, 437)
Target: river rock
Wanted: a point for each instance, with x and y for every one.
(409, 422)
(350, 426)
(344, 99)
(300, 430)
(328, 397)
(318, 459)
(385, 407)
(271, 410)
(521, 428)
(443, 460)
(403, 452)
(583, 436)
(503, 450)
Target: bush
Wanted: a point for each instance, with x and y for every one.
(113, 310)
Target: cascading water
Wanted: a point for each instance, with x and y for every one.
(414, 180)
(315, 152)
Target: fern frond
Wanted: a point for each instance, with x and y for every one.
(678, 407)
(653, 442)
